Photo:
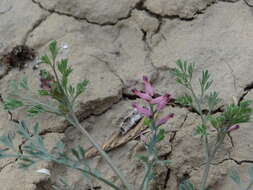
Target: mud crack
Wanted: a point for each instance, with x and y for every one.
(238, 162)
(34, 26)
(7, 164)
(141, 6)
(246, 90)
(128, 15)
(109, 68)
(172, 138)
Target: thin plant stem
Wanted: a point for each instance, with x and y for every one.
(209, 157)
(151, 150)
(77, 124)
(49, 108)
(205, 175)
(144, 184)
(99, 178)
(208, 164)
(101, 151)
(53, 158)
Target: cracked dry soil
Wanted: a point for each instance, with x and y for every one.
(113, 45)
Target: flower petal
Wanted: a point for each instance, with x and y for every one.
(149, 89)
(143, 96)
(160, 98)
(164, 101)
(233, 128)
(164, 119)
(144, 111)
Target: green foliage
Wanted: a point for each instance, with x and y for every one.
(44, 93)
(78, 153)
(24, 83)
(201, 130)
(56, 86)
(54, 50)
(184, 73)
(34, 150)
(233, 114)
(35, 110)
(45, 74)
(186, 185)
(212, 100)
(238, 114)
(185, 100)
(12, 104)
(205, 81)
(143, 158)
(45, 59)
(160, 136)
(147, 121)
(80, 87)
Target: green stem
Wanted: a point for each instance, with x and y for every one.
(209, 161)
(203, 120)
(99, 178)
(101, 151)
(50, 108)
(144, 184)
(93, 142)
(205, 175)
(152, 152)
(65, 94)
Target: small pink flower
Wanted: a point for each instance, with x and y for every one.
(144, 111)
(233, 128)
(149, 89)
(164, 101)
(164, 119)
(160, 98)
(143, 96)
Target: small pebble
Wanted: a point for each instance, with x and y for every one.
(65, 46)
(44, 171)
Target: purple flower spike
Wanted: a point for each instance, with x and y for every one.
(143, 96)
(164, 119)
(233, 128)
(149, 89)
(144, 111)
(164, 101)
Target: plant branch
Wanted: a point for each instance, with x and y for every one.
(76, 123)
(144, 184)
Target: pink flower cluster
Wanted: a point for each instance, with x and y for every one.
(148, 96)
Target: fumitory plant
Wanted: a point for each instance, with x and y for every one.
(224, 123)
(157, 134)
(55, 86)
